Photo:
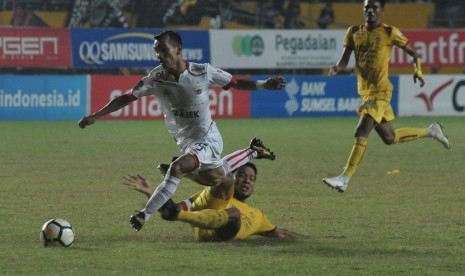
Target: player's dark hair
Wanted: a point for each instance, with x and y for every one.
(382, 2)
(250, 165)
(174, 38)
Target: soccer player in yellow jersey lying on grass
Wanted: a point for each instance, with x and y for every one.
(219, 213)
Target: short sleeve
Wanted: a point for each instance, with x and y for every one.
(266, 224)
(144, 87)
(218, 76)
(398, 38)
(348, 38)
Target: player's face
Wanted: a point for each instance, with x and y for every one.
(373, 11)
(166, 53)
(244, 183)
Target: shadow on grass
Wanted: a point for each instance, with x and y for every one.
(327, 246)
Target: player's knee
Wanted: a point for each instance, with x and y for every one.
(230, 230)
(234, 216)
(388, 139)
(212, 177)
(176, 169)
(361, 132)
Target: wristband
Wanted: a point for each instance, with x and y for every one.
(260, 84)
(418, 68)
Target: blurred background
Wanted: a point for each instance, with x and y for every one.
(96, 38)
(225, 14)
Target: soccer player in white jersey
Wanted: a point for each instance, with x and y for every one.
(181, 88)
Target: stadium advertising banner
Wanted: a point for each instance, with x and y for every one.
(312, 97)
(271, 49)
(35, 47)
(42, 97)
(224, 103)
(442, 95)
(114, 48)
(436, 48)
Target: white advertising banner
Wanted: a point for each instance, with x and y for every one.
(274, 49)
(442, 95)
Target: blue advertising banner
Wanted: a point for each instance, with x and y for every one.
(42, 97)
(132, 48)
(318, 96)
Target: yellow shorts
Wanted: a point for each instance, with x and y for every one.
(207, 201)
(377, 106)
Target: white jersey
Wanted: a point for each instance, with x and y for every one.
(185, 103)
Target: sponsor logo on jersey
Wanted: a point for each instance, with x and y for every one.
(198, 90)
(186, 114)
(198, 68)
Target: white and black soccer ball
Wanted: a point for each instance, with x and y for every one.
(57, 232)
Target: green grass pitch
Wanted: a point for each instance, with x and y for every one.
(411, 223)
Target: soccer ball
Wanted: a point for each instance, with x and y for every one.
(57, 232)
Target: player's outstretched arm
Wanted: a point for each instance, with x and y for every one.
(115, 104)
(273, 83)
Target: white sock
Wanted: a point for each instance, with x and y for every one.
(237, 159)
(164, 191)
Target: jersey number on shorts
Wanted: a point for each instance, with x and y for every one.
(200, 146)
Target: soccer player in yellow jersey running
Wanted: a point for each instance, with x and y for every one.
(371, 44)
(219, 213)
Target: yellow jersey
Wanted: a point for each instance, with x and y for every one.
(372, 50)
(253, 220)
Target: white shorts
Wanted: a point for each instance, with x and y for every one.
(208, 149)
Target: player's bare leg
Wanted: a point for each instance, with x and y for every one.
(178, 169)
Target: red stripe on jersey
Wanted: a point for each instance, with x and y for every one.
(196, 161)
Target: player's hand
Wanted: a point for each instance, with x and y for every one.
(419, 77)
(138, 183)
(333, 71)
(275, 83)
(86, 121)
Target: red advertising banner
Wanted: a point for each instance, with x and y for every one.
(441, 48)
(35, 47)
(224, 103)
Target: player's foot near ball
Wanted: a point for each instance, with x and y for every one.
(137, 220)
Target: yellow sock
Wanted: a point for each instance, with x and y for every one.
(358, 150)
(205, 219)
(410, 134)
